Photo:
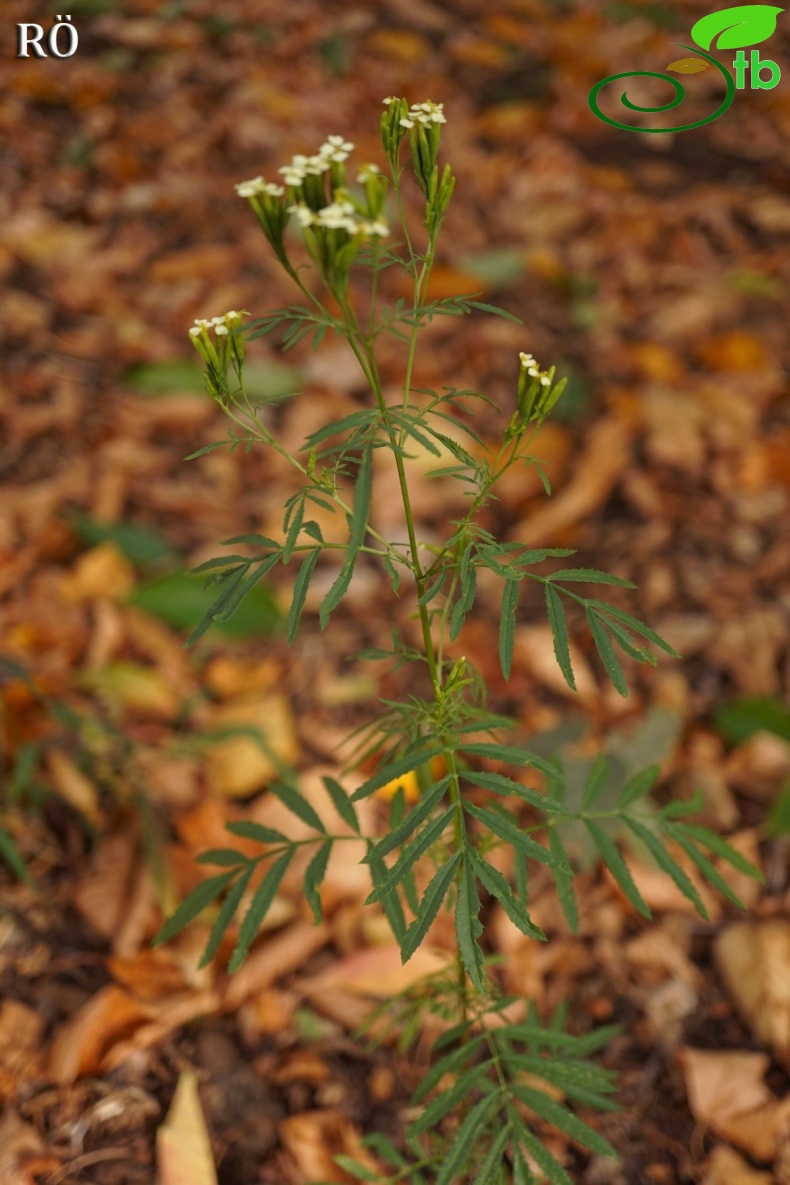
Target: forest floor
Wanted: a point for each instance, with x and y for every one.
(654, 271)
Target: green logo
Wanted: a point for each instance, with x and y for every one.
(731, 28)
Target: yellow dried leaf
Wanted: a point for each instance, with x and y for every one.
(183, 1147)
(688, 65)
(239, 765)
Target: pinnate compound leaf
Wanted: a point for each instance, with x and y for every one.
(679, 832)
(596, 782)
(410, 855)
(301, 585)
(429, 907)
(403, 829)
(665, 861)
(192, 905)
(246, 829)
(393, 770)
(259, 907)
(342, 803)
(563, 882)
(638, 786)
(590, 576)
(313, 876)
(510, 832)
(554, 1172)
(734, 28)
(468, 927)
(498, 887)
(465, 1139)
(559, 632)
(289, 796)
(606, 651)
(564, 1120)
(225, 916)
(719, 846)
(489, 1171)
(611, 857)
(633, 623)
(507, 625)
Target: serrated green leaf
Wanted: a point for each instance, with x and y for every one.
(559, 632)
(259, 906)
(677, 831)
(410, 854)
(226, 915)
(488, 1173)
(563, 882)
(298, 805)
(462, 1055)
(393, 910)
(564, 1120)
(633, 623)
(508, 830)
(301, 585)
(500, 784)
(249, 830)
(596, 782)
(468, 927)
(498, 887)
(313, 876)
(401, 830)
(507, 625)
(607, 653)
(611, 857)
(495, 310)
(342, 803)
(638, 786)
(395, 769)
(469, 1132)
(191, 906)
(552, 1169)
(429, 907)
(664, 860)
(590, 576)
(449, 1099)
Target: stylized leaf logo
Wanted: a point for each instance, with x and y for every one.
(748, 24)
(688, 65)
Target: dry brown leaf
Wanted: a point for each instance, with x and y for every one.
(183, 1147)
(73, 786)
(726, 1167)
(314, 1138)
(238, 766)
(22, 1152)
(102, 893)
(380, 972)
(104, 571)
(726, 1092)
(754, 961)
(82, 1041)
(274, 957)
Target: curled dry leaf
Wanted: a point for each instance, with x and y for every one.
(726, 1167)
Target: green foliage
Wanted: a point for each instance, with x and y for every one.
(481, 1109)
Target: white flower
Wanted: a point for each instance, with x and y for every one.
(367, 173)
(406, 123)
(292, 176)
(195, 331)
(316, 165)
(377, 227)
(273, 190)
(336, 149)
(338, 216)
(425, 114)
(526, 359)
(220, 330)
(248, 189)
(304, 214)
(390, 99)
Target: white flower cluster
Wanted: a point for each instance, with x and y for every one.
(339, 215)
(257, 186)
(334, 150)
(423, 113)
(220, 325)
(529, 364)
